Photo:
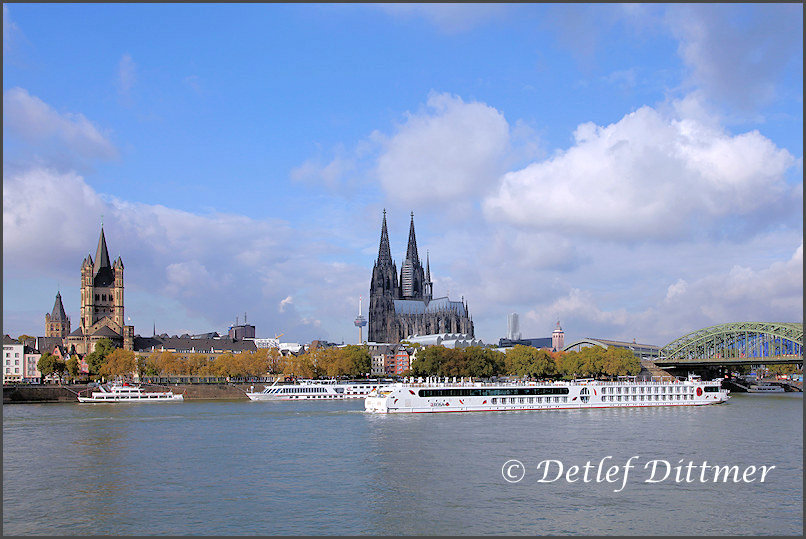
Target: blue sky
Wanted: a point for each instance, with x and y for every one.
(633, 170)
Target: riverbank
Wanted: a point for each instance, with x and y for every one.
(33, 394)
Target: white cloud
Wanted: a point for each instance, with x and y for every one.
(126, 76)
(333, 174)
(450, 152)
(38, 123)
(209, 266)
(47, 216)
(676, 289)
(285, 303)
(741, 294)
(738, 54)
(646, 176)
(10, 31)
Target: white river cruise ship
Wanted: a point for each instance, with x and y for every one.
(433, 395)
(318, 389)
(124, 392)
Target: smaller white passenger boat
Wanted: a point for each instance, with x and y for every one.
(765, 388)
(317, 389)
(124, 392)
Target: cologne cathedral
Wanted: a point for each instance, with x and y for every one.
(403, 306)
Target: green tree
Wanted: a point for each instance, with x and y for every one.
(529, 361)
(59, 368)
(301, 366)
(569, 365)
(429, 362)
(46, 364)
(119, 362)
(591, 359)
(22, 338)
(620, 362)
(358, 360)
(482, 362)
(146, 366)
(72, 366)
(96, 358)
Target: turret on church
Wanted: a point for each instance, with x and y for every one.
(405, 307)
(57, 323)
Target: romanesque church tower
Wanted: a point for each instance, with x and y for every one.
(102, 311)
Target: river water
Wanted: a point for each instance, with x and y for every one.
(293, 468)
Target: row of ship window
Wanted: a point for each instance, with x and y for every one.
(117, 397)
(302, 390)
(647, 389)
(617, 398)
(528, 400)
(605, 398)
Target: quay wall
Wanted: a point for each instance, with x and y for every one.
(19, 394)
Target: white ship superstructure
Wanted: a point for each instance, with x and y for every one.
(318, 389)
(124, 392)
(444, 396)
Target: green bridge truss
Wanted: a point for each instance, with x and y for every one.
(740, 343)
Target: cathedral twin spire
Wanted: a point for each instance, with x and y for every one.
(399, 302)
(414, 282)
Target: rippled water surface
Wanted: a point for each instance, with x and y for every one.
(252, 468)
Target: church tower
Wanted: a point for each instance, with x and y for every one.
(411, 272)
(102, 302)
(102, 289)
(57, 323)
(557, 338)
(383, 290)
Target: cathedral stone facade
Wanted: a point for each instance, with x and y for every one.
(102, 312)
(403, 306)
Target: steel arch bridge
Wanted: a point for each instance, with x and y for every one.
(740, 343)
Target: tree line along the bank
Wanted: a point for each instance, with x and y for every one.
(352, 360)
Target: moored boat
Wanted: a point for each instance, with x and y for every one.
(317, 389)
(765, 388)
(125, 392)
(443, 396)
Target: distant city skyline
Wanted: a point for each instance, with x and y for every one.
(633, 170)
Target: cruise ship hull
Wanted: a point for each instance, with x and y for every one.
(446, 397)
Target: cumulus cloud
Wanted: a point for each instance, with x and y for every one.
(738, 55)
(446, 153)
(36, 122)
(646, 176)
(772, 293)
(47, 215)
(207, 266)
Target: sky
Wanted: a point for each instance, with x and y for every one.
(633, 171)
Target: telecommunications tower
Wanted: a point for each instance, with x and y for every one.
(360, 322)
